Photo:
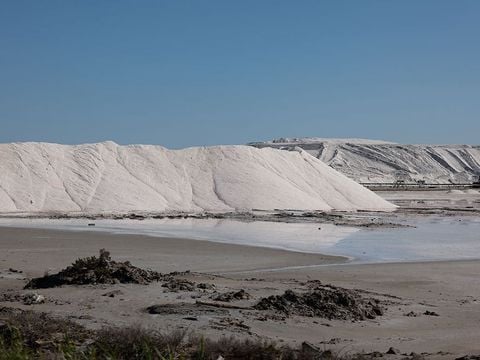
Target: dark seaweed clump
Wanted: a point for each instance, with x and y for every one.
(324, 301)
(96, 270)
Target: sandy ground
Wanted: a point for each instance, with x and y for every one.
(450, 289)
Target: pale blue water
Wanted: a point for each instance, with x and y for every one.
(433, 238)
(446, 238)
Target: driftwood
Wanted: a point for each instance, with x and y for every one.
(223, 305)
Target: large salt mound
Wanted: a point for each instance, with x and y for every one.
(374, 161)
(107, 177)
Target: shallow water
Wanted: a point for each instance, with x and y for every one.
(302, 237)
(433, 238)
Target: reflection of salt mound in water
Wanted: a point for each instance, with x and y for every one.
(472, 192)
(108, 177)
(455, 191)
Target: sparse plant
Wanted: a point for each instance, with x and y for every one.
(29, 336)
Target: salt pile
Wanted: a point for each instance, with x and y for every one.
(376, 161)
(106, 177)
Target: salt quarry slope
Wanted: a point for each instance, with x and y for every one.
(106, 177)
(373, 161)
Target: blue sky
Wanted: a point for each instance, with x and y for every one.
(184, 73)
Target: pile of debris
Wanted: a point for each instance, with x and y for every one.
(232, 295)
(175, 285)
(26, 299)
(324, 301)
(96, 270)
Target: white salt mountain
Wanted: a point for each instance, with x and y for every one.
(373, 161)
(106, 177)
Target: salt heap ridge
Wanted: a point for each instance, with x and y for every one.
(107, 177)
(375, 161)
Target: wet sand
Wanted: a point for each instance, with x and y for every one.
(38, 250)
(451, 289)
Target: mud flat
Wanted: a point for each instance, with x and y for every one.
(427, 307)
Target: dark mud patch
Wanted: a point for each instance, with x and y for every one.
(185, 309)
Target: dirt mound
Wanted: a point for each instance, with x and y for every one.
(96, 270)
(326, 302)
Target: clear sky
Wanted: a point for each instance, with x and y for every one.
(188, 72)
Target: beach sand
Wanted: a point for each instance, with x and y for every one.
(451, 289)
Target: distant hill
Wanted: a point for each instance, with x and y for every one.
(373, 161)
(42, 177)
